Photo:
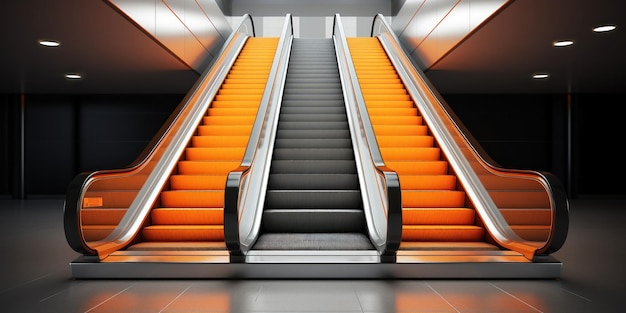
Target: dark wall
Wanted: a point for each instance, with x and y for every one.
(65, 135)
(517, 131)
(574, 137)
(598, 123)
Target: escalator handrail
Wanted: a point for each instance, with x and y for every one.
(246, 186)
(448, 128)
(380, 185)
(157, 159)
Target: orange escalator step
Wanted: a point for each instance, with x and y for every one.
(392, 111)
(183, 233)
(432, 199)
(233, 111)
(187, 216)
(192, 198)
(389, 104)
(438, 216)
(462, 233)
(219, 141)
(206, 167)
(224, 130)
(405, 141)
(198, 182)
(419, 167)
(228, 120)
(398, 130)
(428, 182)
(238, 97)
(410, 154)
(396, 120)
(214, 154)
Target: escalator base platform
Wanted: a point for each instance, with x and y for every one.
(545, 268)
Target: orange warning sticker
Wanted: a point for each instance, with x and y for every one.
(92, 202)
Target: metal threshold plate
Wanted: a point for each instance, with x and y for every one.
(312, 256)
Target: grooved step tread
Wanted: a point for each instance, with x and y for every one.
(192, 198)
(214, 153)
(219, 141)
(187, 216)
(313, 181)
(405, 141)
(197, 182)
(224, 130)
(406, 130)
(411, 154)
(432, 199)
(428, 182)
(442, 233)
(313, 199)
(167, 233)
(419, 167)
(206, 167)
(438, 216)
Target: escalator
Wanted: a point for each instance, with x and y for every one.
(313, 200)
(458, 205)
(167, 207)
(189, 213)
(315, 158)
(435, 210)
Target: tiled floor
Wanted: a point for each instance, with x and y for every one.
(35, 277)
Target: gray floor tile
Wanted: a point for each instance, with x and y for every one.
(35, 277)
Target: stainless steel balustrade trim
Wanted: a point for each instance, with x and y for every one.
(459, 149)
(380, 187)
(246, 186)
(168, 151)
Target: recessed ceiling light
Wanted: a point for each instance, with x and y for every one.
(541, 75)
(563, 43)
(604, 28)
(73, 76)
(49, 43)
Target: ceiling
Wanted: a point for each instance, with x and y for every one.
(499, 57)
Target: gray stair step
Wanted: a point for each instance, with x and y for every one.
(313, 103)
(313, 133)
(310, 221)
(316, 91)
(321, 97)
(289, 85)
(313, 167)
(313, 154)
(312, 118)
(313, 143)
(298, 80)
(314, 110)
(310, 241)
(313, 199)
(312, 125)
(313, 181)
